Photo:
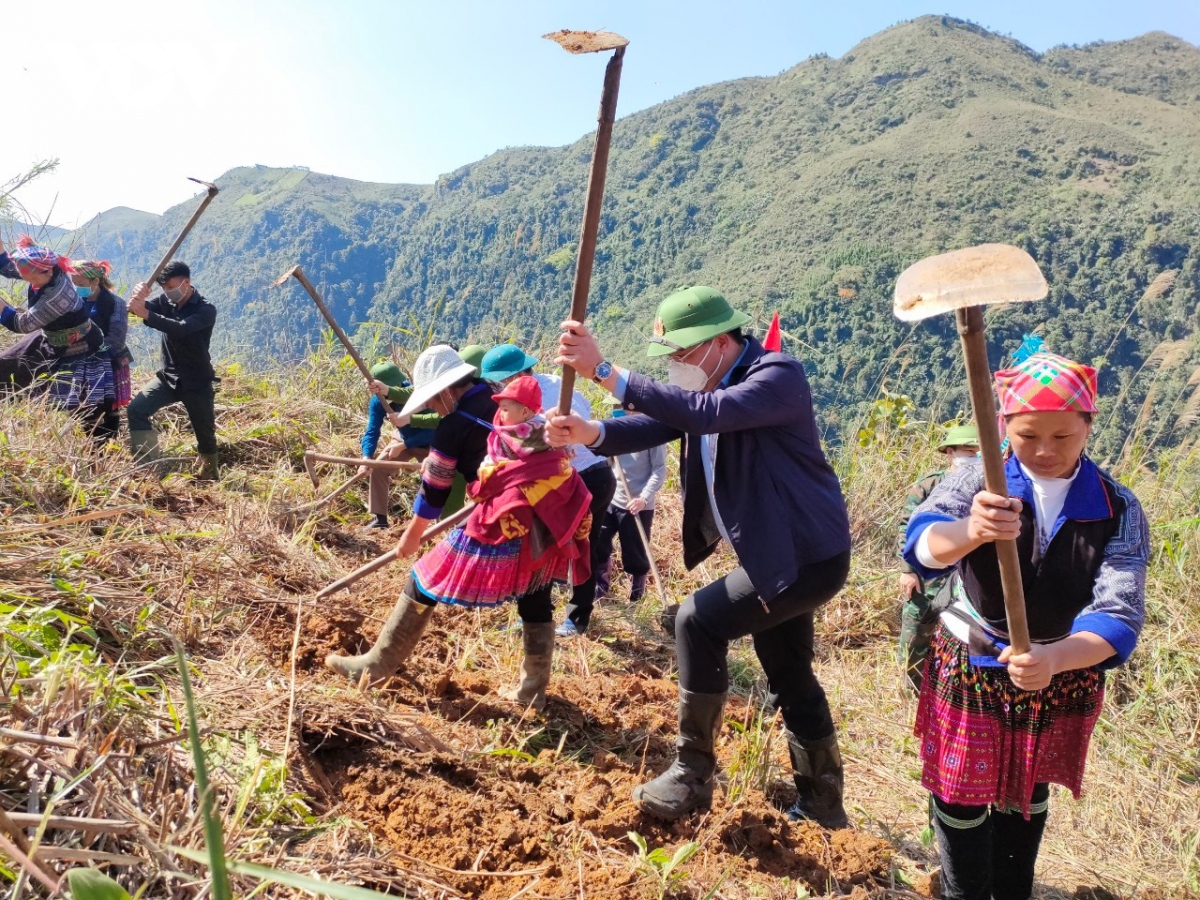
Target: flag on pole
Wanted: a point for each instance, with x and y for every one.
(774, 339)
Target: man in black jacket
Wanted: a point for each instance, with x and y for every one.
(186, 321)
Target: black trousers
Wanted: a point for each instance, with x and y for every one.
(621, 523)
(987, 854)
(22, 362)
(783, 640)
(601, 481)
(198, 401)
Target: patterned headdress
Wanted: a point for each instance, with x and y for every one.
(29, 257)
(1046, 382)
(93, 268)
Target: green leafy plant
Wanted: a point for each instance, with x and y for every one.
(665, 867)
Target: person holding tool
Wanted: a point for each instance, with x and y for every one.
(753, 474)
(996, 727)
(186, 321)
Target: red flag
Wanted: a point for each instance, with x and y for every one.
(774, 339)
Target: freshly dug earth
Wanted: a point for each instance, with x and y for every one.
(542, 801)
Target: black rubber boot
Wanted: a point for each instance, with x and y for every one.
(400, 634)
(687, 784)
(817, 772)
(637, 588)
(538, 640)
(210, 466)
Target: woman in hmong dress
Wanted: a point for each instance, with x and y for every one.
(110, 313)
(996, 728)
(527, 524)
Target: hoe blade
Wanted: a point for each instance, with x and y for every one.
(974, 276)
(586, 41)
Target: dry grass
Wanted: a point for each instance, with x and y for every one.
(88, 608)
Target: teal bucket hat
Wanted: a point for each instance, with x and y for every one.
(505, 361)
(690, 317)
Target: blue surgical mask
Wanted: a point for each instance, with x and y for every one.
(84, 292)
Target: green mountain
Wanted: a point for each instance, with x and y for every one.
(807, 192)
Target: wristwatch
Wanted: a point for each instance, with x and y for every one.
(603, 370)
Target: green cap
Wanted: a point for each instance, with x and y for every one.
(473, 354)
(960, 436)
(389, 373)
(691, 317)
(505, 361)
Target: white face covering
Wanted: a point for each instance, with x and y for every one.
(960, 455)
(689, 376)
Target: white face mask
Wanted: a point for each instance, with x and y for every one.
(960, 455)
(689, 376)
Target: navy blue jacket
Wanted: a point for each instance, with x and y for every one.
(779, 498)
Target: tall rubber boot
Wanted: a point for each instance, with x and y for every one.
(393, 646)
(687, 784)
(817, 772)
(637, 588)
(603, 578)
(210, 466)
(144, 445)
(538, 641)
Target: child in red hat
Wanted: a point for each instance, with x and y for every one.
(519, 429)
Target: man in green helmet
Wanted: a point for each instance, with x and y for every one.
(754, 475)
(918, 615)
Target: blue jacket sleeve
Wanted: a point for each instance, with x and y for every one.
(949, 501)
(370, 439)
(633, 433)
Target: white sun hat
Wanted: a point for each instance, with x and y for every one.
(437, 368)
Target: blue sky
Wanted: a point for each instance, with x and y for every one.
(140, 94)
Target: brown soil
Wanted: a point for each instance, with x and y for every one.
(543, 801)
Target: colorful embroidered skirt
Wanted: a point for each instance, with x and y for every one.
(81, 380)
(985, 741)
(122, 383)
(465, 572)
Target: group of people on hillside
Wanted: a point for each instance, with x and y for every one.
(74, 351)
(995, 727)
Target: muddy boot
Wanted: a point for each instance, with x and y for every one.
(687, 785)
(144, 446)
(399, 636)
(637, 588)
(210, 466)
(667, 618)
(538, 638)
(817, 772)
(603, 578)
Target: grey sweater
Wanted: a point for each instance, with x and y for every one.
(646, 472)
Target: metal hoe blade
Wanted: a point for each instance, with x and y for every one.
(586, 41)
(975, 276)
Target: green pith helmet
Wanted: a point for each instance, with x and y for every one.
(505, 361)
(389, 373)
(960, 436)
(473, 354)
(691, 317)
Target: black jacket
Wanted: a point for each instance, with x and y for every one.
(186, 332)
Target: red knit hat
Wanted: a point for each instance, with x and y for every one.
(1046, 382)
(524, 390)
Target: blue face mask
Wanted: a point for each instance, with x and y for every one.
(84, 292)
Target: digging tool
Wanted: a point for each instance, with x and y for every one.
(662, 591)
(395, 465)
(337, 329)
(965, 281)
(591, 42)
(307, 508)
(213, 190)
(384, 559)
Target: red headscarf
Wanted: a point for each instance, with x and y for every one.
(1046, 382)
(28, 257)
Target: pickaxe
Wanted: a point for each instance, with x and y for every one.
(337, 329)
(662, 591)
(965, 281)
(591, 42)
(170, 254)
(311, 457)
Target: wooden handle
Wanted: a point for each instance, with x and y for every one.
(167, 257)
(337, 329)
(979, 381)
(395, 465)
(384, 559)
(662, 591)
(586, 256)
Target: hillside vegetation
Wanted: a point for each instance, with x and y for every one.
(807, 192)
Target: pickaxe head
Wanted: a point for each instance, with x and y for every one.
(974, 276)
(286, 275)
(311, 467)
(212, 188)
(586, 41)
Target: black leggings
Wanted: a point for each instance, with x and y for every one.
(987, 854)
(535, 606)
(783, 640)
